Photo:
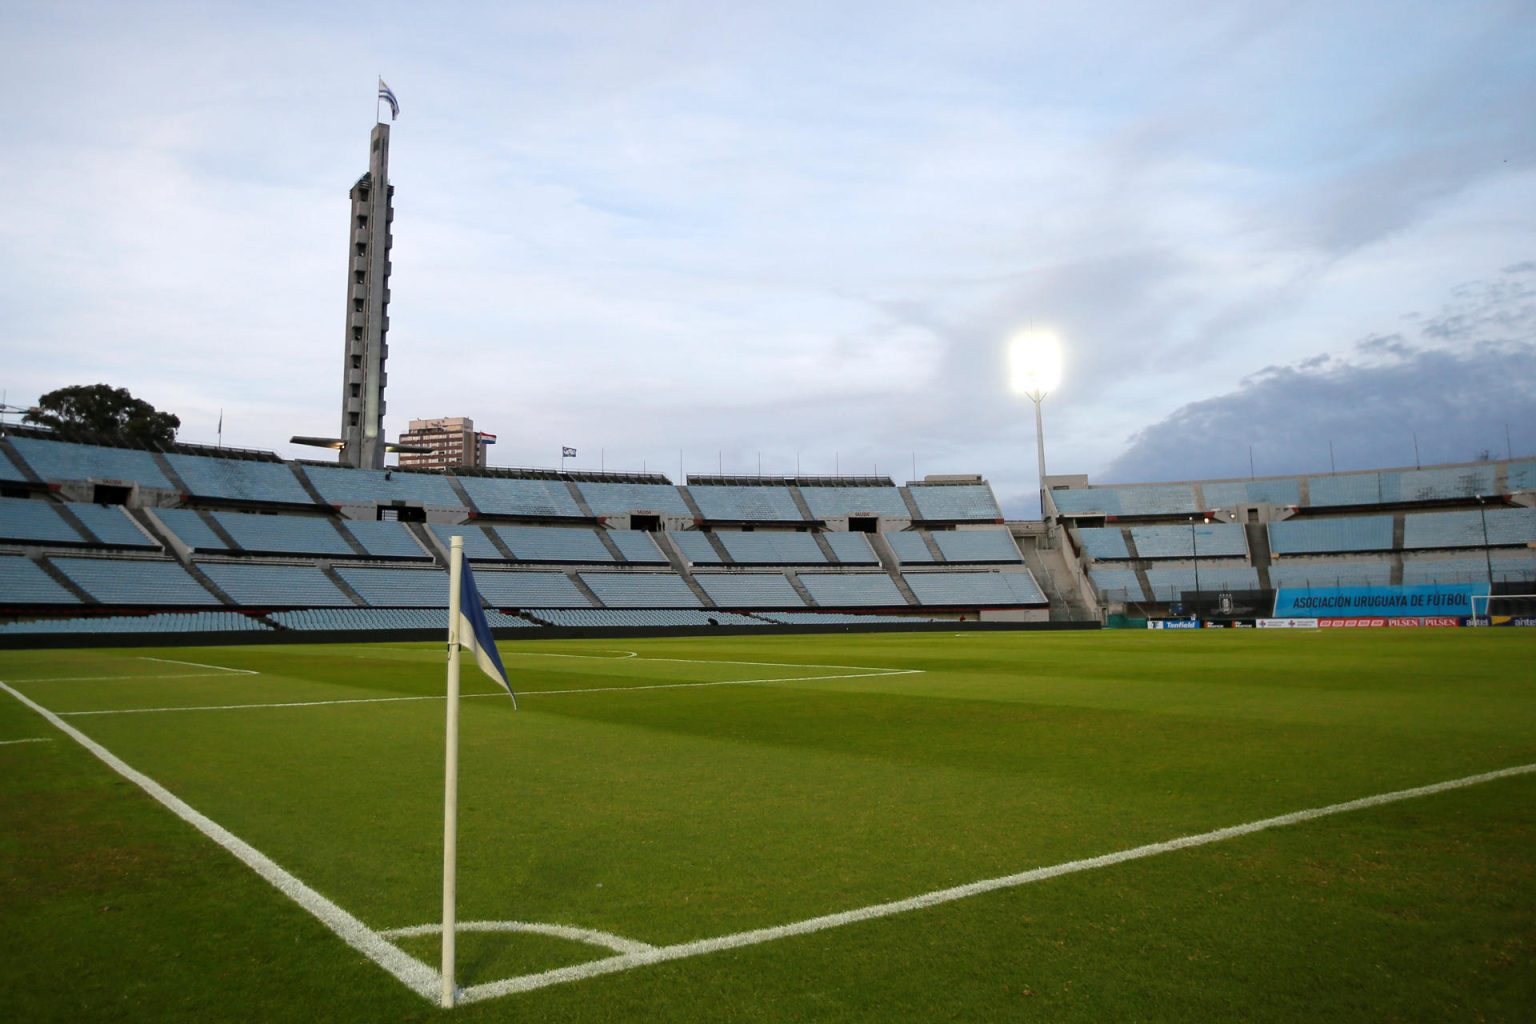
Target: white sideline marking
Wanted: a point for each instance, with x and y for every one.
(684, 950)
(414, 974)
(198, 664)
(590, 936)
(33, 739)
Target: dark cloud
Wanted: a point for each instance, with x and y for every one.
(1472, 391)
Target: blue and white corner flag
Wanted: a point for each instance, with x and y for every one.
(475, 632)
(388, 96)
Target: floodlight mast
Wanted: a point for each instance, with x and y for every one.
(1035, 364)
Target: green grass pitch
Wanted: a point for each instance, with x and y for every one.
(667, 791)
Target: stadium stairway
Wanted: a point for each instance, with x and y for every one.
(805, 595)
(1057, 580)
(1258, 550)
(341, 584)
(58, 576)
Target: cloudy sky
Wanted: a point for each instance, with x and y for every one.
(796, 235)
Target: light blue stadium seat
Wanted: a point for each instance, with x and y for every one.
(825, 502)
(384, 539)
(511, 496)
(1319, 572)
(1323, 536)
(750, 590)
(732, 503)
(1464, 529)
(1117, 584)
(1507, 567)
(1146, 500)
(851, 548)
(841, 618)
(239, 479)
(553, 543)
(23, 521)
(984, 589)
(24, 582)
(189, 526)
(977, 546)
(771, 547)
(639, 618)
(384, 619)
(1207, 540)
(477, 546)
(908, 547)
(1348, 489)
(342, 485)
(1522, 476)
(275, 586)
(641, 590)
(620, 499)
(851, 589)
(1169, 583)
(112, 526)
(122, 581)
(169, 623)
(57, 461)
(1104, 542)
(516, 589)
(637, 547)
(955, 502)
(397, 588)
(1252, 492)
(695, 547)
(284, 534)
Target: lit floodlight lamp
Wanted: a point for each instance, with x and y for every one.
(1034, 363)
(1034, 370)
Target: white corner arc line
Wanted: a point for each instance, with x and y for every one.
(685, 950)
(29, 739)
(589, 936)
(198, 664)
(412, 973)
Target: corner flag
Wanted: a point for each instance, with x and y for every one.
(475, 632)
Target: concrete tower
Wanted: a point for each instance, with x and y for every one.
(363, 377)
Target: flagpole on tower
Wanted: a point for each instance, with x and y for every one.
(378, 103)
(451, 774)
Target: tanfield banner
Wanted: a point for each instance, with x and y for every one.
(1375, 602)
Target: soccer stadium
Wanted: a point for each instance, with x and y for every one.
(752, 747)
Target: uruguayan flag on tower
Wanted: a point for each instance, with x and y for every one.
(475, 632)
(388, 96)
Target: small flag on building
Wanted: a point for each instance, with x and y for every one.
(567, 453)
(487, 438)
(388, 96)
(475, 632)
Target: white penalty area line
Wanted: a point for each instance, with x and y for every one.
(218, 671)
(686, 950)
(872, 673)
(31, 739)
(412, 973)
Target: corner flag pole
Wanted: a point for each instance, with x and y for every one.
(451, 773)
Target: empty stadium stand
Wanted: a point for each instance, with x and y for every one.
(275, 534)
(750, 590)
(341, 485)
(243, 480)
(268, 585)
(955, 502)
(733, 503)
(977, 546)
(512, 496)
(134, 582)
(827, 502)
(771, 547)
(60, 461)
(617, 499)
(23, 582)
(553, 543)
(35, 522)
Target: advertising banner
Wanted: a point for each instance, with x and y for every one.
(1293, 623)
(1442, 600)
